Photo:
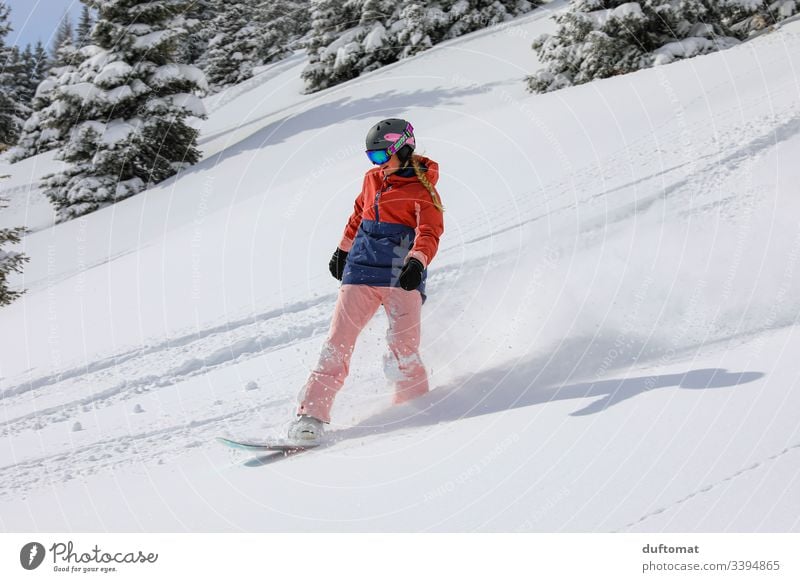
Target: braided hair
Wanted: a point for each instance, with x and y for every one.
(405, 154)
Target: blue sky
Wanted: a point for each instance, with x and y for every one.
(34, 20)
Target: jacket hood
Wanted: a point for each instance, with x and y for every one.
(429, 166)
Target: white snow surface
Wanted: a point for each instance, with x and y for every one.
(611, 325)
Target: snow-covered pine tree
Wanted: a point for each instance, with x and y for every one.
(470, 15)
(48, 125)
(251, 33)
(420, 26)
(130, 107)
(601, 38)
(281, 22)
(372, 44)
(30, 68)
(781, 9)
(8, 121)
(42, 62)
(34, 135)
(10, 260)
(234, 49)
(332, 28)
(26, 79)
(83, 32)
(8, 128)
(199, 17)
(746, 17)
(15, 84)
(300, 14)
(64, 35)
(357, 36)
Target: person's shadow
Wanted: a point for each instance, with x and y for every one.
(519, 385)
(538, 380)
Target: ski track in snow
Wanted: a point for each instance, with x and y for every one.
(21, 189)
(158, 445)
(135, 372)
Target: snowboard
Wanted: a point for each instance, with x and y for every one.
(277, 446)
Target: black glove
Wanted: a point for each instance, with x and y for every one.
(411, 275)
(336, 264)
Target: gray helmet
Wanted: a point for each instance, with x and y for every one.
(385, 134)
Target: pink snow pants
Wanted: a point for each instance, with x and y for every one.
(355, 306)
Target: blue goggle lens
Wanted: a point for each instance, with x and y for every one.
(378, 156)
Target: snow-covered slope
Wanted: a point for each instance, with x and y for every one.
(610, 327)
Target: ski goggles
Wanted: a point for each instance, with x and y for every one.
(378, 157)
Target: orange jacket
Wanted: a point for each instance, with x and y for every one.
(400, 199)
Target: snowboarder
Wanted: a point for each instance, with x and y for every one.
(382, 259)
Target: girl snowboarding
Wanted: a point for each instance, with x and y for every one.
(382, 259)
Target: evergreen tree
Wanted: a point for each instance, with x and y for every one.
(199, 28)
(63, 35)
(8, 128)
(234, 49)
(8, 118)
(128, 104)
(27, 75)
(423, 26)
(83, 33)
(601, 38)
(19, 84)
(335, 35)
(745, 17)
(42, 62)
(469, 15)
(376, 11)
(249, 34)
(300, 13)
(356, 36)
(16, 84)
(10, 260)
(278, 23)
(244, 35)
(48, 125)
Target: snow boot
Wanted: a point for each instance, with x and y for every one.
(306, 429)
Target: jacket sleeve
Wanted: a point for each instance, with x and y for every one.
(353, 222)
(430, 226)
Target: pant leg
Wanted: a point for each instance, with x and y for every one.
(355, 306)
(402, 364)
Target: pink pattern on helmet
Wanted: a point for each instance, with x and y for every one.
(395, 136)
